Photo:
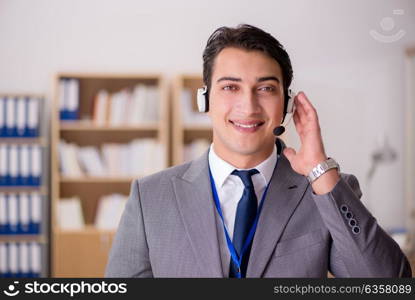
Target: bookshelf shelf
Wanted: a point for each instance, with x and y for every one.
(89, 257)
(24, 238)
(27, 189)
(88, 180)
(87, 230)
(19, 141)
(82, 126)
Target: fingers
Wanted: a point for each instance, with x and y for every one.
(305, 107)
(297, 121)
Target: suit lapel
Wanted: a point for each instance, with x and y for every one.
(194, 199)
(284, 194)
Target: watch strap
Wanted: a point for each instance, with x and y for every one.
(322, 168)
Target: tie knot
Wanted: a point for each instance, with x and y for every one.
(245, 176)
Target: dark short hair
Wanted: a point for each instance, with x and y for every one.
(246, 37)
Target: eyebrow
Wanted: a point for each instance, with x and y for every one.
(260, 79)
(268, 78)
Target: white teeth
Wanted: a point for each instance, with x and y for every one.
(246, 126)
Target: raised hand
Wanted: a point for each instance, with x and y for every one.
(311, 151)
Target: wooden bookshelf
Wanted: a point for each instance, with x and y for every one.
(84, 253)
(185, 133)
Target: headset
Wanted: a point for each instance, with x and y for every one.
(203, 106)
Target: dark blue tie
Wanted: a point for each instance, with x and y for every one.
(245, 217)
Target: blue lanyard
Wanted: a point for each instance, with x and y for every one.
(234, 256)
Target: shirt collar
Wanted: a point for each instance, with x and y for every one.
(221, 169)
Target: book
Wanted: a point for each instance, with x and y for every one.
(137, 158)
(101, 108)
(109, 211)
(69, 214)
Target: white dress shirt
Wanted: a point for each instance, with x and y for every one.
(230, 187)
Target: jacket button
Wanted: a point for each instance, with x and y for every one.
(344, 208)
(356, 229)
(349, 215)
(352, 222)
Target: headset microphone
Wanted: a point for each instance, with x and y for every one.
(279, 130)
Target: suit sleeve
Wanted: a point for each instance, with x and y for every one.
(129, 255)
(360, 247)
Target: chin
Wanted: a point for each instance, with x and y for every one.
(247, 149)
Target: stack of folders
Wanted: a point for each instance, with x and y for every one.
(20, 259)
(20, 213)
(69, 99)
(139, 157)
(109, 211)
(70, 215)
(190, 115)
(126, 107)
(20, 165)
(195, 149)
(19, 116)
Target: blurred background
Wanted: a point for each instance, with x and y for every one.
(104, 81)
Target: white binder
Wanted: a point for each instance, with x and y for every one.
(21, 116)
(13, 164)
(13, 258)
(12, 212)
(3, 213)
(2, 115)
(3, 164)
(10, 115)
(73, 95)
(24, 259)
(3, 258)
(24, 168)
(33, 116)
(24, 211)
(36, 162)
(35, 259)
(35, 211)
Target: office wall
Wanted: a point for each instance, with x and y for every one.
(355, 81)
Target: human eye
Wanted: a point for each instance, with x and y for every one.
(230, 87)
(267, 88)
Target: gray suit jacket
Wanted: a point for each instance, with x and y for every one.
(169, 229)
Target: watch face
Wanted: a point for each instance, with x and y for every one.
(322, 168)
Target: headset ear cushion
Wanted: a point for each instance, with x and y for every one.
(290, 102)
(202, 100)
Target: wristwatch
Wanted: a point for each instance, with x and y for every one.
(322, 168)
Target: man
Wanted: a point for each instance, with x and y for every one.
(249, 207)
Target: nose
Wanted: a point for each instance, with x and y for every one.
(248, 103)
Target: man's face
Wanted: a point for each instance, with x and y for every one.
(246, 103)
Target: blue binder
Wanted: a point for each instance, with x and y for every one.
(70, 99)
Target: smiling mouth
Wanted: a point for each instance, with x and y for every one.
(249, 126)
